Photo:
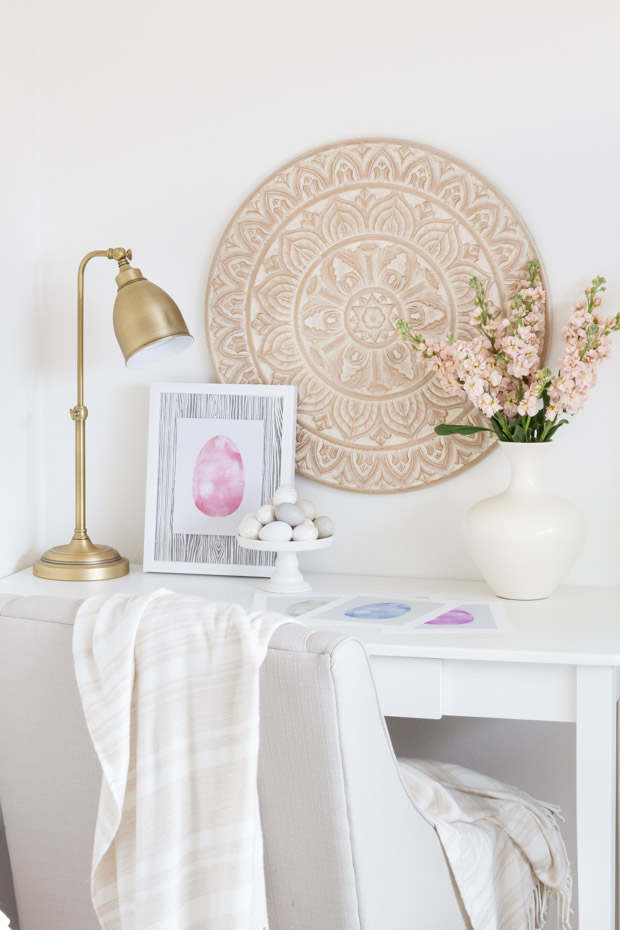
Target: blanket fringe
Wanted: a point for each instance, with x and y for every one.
(537, 911)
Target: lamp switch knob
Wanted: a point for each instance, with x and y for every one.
(78, 413)
(119, 255)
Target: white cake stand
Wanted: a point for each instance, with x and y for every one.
(286, 577)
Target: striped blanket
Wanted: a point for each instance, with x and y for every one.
(169, 686)
(504, 848)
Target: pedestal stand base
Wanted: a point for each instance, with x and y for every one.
(286, 578)
(286, 589)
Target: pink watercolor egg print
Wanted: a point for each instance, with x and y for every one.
(451, 618)
(218, 481)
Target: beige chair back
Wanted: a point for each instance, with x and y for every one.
(344, 847)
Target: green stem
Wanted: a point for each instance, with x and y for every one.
(488, 335)
(503, 426)
(547, 427)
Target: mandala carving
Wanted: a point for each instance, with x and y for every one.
(311, 276)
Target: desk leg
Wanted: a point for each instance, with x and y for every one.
(596, 796)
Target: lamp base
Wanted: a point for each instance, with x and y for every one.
(81, 560)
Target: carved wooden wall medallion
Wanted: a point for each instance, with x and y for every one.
(310, 277)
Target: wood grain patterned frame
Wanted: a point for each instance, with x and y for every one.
(183, 418)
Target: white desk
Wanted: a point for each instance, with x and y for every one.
(561, 663)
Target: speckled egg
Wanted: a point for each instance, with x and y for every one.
(285, 494)
(276, 532)
(325, 526)
(305, 532)
(249, 528)
(308, 508)
(266, 513)
(290, 513)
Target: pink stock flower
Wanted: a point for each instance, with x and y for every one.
(489, 404)
(499, 370)
(474, 386)
(530, 404)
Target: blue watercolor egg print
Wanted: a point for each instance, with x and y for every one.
(386, 610)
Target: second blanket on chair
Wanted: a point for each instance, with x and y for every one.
(170, 691)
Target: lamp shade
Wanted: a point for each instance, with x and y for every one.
(148, 324)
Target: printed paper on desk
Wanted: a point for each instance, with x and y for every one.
(468, 616)
(377, 612)
(393, 614)
(292, 605)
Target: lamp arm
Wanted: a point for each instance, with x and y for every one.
(80, 412)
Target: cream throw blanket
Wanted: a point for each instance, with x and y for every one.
(505, 849)
(170, 691)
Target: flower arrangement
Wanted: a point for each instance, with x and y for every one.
(499, 369)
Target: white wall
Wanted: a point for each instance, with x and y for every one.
(19, 257)
(158, 118)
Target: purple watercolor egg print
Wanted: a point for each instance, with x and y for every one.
(451, 618)
(386, 610)
(218, 481)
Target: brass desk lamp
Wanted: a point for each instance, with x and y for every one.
(149, 328)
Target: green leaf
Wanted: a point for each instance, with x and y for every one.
(446, 429)
(554, 429)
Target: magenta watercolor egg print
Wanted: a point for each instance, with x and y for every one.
(218, 482)
(451, 618)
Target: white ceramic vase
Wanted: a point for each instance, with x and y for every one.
(525, 539)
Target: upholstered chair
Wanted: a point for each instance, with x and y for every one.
(345, 849)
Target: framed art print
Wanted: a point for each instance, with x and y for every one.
(216, 453)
